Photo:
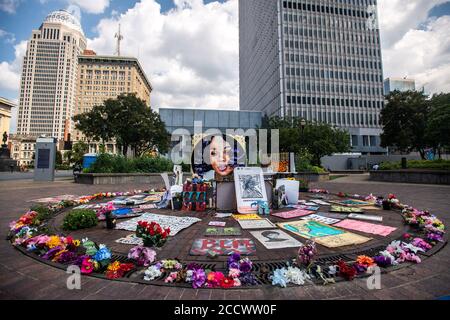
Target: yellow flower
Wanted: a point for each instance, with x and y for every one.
(76, 243)
(54, 241)
(114, 266)
(55, 258)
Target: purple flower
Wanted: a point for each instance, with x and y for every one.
(67, 256)
(142, 255)
(233, 261)
(233, 265)
(193, 266)
(80, 259)
(245, 266)
(198, 278)
(51, 253)
(433, 236)
(248, 278)
(360, 268)
(382, 261)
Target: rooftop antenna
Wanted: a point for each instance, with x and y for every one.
(119, 38)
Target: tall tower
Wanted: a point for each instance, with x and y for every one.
(319, 60)
(49, 76)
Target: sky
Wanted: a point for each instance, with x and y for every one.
(190, 48)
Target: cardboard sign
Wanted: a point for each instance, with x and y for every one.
(341, 240)
(276, 239)
(250, 188)
(292, 214)
(257, 224)
(246, 217)
(220, 231)
(366, 227)
(346, 209)
(222, 247)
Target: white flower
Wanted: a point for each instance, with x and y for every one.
(152, 273)
(296, 276)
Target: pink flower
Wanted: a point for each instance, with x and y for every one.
(234, 273)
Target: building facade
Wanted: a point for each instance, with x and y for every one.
(5, 115)
(399, 84)
(106, 77)
(22, 149)
(319, 60)
(49, 77)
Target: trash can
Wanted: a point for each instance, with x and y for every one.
(89, 159)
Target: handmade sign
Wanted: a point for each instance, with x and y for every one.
(250, 188)
(223, 215)
(366, 227)
(305, 207)
(341, 240)
(318, 218)
(64, 197)
(320, 202)
(131, 239)
(292, 214)
(353, 202)
(246, 217)
(276, 239)
(176, 224)
(222, 247)
(365, 217)
(219, 231)
(346, 209)
(147, 206)
(217, 224)
(310, 229)
(256, 224)
(340, 216)
(291, 189)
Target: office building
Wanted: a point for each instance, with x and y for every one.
(106, 77)
(49, 77)
(319, 60)
(399, 84)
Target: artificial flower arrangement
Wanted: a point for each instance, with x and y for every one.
(239, 272)
(152, 234)
(143, 256)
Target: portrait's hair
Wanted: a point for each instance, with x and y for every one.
(237, 155)
(266, 234)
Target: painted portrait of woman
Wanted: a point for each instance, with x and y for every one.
(219, 156)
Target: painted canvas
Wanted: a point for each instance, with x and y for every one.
(341, 240)
(318, 218)
(222, 247)
(176, 224)
(276, 239)
(366, 227)
(310, 229)
(346, 209)
(257, 224)
(292, 214)
(220, 231)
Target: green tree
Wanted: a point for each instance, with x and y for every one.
(316, 139)
(75, 155)
(129, 121)
(438, 124)
(404, 121)
(59, 158)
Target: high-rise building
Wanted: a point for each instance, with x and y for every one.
(49, 77)
(106, 77)
(320, 60)
(399, 84)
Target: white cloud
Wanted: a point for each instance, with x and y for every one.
(10, 71)
(414, 45)
(190, 53)
(91, 6)
(9, 6)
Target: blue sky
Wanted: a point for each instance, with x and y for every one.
(30, 13)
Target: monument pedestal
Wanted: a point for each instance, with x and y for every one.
(6, 163)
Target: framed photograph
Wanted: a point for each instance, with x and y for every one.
(250, 188)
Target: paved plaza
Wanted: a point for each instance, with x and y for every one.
(22, 277)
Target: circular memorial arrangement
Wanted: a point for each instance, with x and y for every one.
(323, 239)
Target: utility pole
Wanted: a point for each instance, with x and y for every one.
(119, 38)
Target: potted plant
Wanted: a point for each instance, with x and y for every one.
(152, 234)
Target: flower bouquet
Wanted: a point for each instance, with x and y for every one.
(152, 234)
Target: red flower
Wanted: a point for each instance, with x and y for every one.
(346, 271)
(227, 283)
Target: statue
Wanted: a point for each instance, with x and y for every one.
(5, 137)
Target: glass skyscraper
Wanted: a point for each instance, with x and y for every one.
(399, 84)
(320, 60)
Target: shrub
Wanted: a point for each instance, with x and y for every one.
(417, 164)
(80, 219)
(107, 163)
(44, 213)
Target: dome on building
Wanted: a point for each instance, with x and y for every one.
(64, 17)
